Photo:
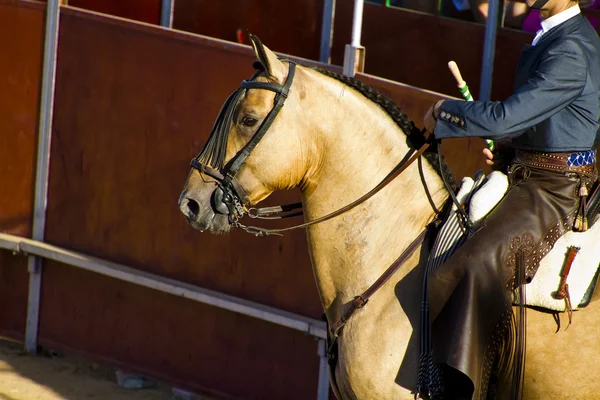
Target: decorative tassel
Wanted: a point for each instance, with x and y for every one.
(563, 290)
(581, 223)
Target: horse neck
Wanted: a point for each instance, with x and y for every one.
(357, 147)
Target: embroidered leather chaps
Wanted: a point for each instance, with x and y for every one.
(469, 296)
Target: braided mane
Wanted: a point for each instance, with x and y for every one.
(398, 116)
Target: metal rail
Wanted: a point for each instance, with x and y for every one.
(29, 247)
(42, 169)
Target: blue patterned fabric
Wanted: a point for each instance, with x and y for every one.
(582, 158)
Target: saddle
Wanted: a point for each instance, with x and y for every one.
(584, 268)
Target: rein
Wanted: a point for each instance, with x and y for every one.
(412, 156)
(230, 198)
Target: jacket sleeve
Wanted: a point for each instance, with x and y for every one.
(559, 79)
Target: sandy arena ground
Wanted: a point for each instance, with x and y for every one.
(27, 377)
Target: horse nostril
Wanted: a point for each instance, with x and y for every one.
(193, 208)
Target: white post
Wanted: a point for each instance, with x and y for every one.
(354, 54)
(357, 22)
(41, 175)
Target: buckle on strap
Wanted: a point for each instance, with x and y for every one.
(359, 302)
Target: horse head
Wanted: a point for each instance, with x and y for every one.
(254, 149)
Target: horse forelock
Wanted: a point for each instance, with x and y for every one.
(402, 120)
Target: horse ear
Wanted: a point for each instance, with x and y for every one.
(269, 60)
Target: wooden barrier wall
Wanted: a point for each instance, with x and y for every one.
(291, 27)
(139, 10)
(402, 45)
(133, 105)
(21, 38)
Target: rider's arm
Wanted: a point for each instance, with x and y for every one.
(559, 79)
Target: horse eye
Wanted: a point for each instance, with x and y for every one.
(249, 121)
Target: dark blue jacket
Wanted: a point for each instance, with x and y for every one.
(556, 103)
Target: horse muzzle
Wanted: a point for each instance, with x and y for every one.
(202, 215)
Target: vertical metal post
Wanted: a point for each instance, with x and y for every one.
(489, 48)
(327, 31)
(42, 167)
(354, 52)
(357, 22)
(166, 13)
(323, 388)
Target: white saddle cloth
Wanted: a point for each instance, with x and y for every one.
(542, 289)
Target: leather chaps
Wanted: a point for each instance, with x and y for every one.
(470, 295)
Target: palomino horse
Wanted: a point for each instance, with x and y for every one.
(335, 142)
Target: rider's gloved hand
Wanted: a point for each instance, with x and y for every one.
(500, 157)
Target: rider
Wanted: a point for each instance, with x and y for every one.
(551, 125)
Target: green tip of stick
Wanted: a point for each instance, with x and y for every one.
(466, 93)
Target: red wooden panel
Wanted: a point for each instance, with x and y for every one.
(133, 105)
(21, 38)
(145, 106)
(13, 295)
(188, 344)
(291, 27)
(406, 46)
(138, 10)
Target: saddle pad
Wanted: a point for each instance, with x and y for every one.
(542, 289)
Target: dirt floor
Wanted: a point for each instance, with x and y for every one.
(58, 377)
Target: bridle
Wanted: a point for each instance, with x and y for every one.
(229, 198)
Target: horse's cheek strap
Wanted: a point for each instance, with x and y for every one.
(280, 97)
(241, 193)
